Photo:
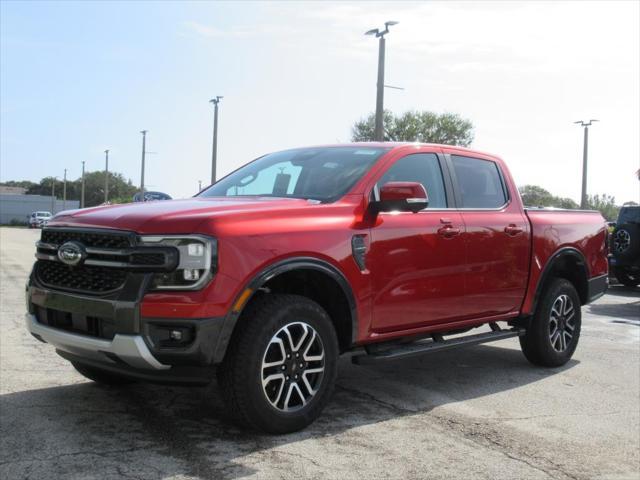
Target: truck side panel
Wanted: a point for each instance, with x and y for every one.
(553, 230)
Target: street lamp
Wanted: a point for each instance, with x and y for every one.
(586, 125)
(53, 194)
(64, 191)
(379, 125)
(214, 147)
(82, 188)
(106, 176)
(144, 142)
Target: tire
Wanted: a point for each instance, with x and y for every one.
(272, 327)
(626, 241)
(626, 278)
(559, 306)
(101, 376)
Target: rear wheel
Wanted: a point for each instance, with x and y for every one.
(553, 334)
(281, 366)
(101, 376)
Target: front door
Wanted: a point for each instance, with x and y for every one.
(417, 259)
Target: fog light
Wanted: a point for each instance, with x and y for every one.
(175, 335)
(191, 274)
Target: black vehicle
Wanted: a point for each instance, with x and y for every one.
(625, 247)
(149, 196)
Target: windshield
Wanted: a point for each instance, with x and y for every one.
(324, 174)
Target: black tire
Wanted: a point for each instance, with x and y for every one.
(242, 372)
(626, 241)
(540, 344)
(626, 278)
(101, 376)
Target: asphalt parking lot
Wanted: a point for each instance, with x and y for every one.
(482, 412)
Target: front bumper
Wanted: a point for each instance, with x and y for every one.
(108, 332)
(130, 349)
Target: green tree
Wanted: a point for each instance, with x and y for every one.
(18, 183)
(536, 196)
(119, 188)
(605, 204)
(414, 126)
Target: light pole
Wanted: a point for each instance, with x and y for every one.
(53, 194)
(144, 143)
(82, 188)
(106, 176)
(214, 147)
(64, 191)
(378, 135)
(585, 148)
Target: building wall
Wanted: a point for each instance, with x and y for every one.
(19, 207)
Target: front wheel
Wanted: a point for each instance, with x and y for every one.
(553, 334)
(281, 366)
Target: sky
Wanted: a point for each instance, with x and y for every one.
(77, 78)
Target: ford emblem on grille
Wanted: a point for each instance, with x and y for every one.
(71, 253)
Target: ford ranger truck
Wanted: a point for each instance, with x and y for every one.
(382, 251)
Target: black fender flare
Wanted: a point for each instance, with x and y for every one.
(272, 271)
(557, 256)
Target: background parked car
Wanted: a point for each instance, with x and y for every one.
(39, 219)
(625, 247)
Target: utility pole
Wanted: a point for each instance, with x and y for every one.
(144, 143)
(585, 148)
(82, 188)
(378, 135)
(199, 185)
(106, 176)
(64, 191)
(214, 147)
(53, 194)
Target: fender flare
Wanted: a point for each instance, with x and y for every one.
(548, 268)
(272, 271)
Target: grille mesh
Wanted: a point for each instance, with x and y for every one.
(88, 239)
(84, 278)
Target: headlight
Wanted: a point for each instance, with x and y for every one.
(197, 261)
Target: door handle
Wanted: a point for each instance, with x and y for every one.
(449, 231)
(513, 229)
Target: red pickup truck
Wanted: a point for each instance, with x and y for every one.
(379, 250)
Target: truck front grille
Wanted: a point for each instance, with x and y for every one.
(88, 238)
(85, 278)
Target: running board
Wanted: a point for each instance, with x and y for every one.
(436, 345)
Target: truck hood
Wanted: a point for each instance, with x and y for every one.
(171, 216)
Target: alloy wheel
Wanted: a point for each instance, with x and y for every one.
(562, 323)
(621, 241)
(293, 366)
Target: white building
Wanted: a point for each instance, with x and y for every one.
(17, 208)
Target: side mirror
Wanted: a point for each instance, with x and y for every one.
(402, 196)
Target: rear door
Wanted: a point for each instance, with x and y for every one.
(496, 239)
(417, 259)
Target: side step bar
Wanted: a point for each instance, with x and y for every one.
(436, 345)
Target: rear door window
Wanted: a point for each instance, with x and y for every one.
(423, 168)
(479, 182)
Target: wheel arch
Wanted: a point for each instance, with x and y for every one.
(276, 278)
(568, 263)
